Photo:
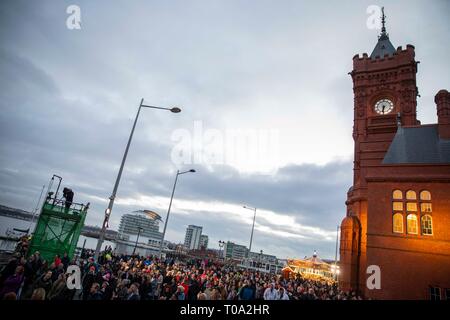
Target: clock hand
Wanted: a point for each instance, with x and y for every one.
(383, 108)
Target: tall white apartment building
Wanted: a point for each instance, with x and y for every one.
(192, 238)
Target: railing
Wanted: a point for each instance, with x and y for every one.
(60, 204)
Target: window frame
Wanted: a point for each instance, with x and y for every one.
(415, 195)
(402, 224)
(421, 225)
(433, 294)
(420, 195)
(412, 202)
(423, 214)
(417, 224)
(401, 195)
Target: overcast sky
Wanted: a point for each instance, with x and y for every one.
(277, 69)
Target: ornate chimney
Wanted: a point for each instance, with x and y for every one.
(442, 100)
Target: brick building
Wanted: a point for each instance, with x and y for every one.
(398, 209)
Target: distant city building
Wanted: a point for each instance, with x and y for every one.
(261, 262)
(261, 257)
(235, 251)
(132, 225)
(192, 238)
(203, 241)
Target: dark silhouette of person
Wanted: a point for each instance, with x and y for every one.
(68, 195)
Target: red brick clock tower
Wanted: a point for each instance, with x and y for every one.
(385, 92)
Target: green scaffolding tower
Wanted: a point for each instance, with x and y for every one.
(58, 228)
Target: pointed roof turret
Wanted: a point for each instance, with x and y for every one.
(384, 45)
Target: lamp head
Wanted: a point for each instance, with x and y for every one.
(175, 110)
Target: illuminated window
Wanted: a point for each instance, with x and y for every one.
(397, 194)
(397, 206)
(435, 293)
(397, 222)
(425, 207)
(411, 195)
(411, 206)
(425, 195)
(411, 224)
(427, 225)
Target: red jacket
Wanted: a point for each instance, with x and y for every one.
(186, 288)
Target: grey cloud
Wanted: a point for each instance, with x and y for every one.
(68, 100)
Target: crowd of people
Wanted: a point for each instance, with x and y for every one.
(120, 277)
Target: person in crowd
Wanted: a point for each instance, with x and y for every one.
(246, 292)
(65, 260)
(232, 293)
(10, 296)
(201, 296)
(133, 292)
(179, 294)
(133, 277)
(38, 294)
(271, 293)
(58, 288)
(88, 280)
(44, 282)
(13, 282)
(10, 268)
(95, 293)
(57, 260)
(282, 295)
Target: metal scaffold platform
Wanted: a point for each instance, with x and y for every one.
(58, 227)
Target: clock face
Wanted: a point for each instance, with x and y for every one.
(384, 106)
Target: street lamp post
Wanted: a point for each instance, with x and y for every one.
(119, 175)
(168, 211)
(260, 258)
(221, 244)
(35, 210)
(137, 239)
(253, 228)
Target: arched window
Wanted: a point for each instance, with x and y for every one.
(411, 195)
(411, 224)
(397, 194)
(425, 195)
(397, 222)
(427, 225)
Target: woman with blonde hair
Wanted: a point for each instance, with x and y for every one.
(201, 296)
(38, 294)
